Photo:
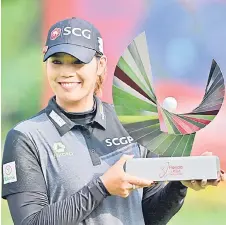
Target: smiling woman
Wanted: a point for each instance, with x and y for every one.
(73, 71)
(68, 160)
(74, 82)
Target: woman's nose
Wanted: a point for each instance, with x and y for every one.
(68, 71)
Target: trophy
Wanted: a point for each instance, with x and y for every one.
(159, 129)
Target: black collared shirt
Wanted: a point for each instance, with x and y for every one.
(82, 118)
(57, 162)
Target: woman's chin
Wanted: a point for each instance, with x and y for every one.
(72, 97)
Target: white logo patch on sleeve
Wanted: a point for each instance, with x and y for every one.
(9, 172)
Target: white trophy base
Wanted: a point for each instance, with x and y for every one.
(174, 168)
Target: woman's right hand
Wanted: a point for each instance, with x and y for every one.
(119, 183)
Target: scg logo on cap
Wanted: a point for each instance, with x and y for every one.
(77, 32)
(55, 33)
(69, 30)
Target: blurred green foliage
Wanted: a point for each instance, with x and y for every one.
(21, 67)
(206, 207)
(21, 61)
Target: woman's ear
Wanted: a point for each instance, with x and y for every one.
(102, 64)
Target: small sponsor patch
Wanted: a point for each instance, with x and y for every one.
(9, 172)
(101, 45)
(44, 50)
(60, 150)
(59, 147)
(55, 34)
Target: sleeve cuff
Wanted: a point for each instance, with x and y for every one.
(98, 189)
(178, 185)
(102, 187)
(176, 188)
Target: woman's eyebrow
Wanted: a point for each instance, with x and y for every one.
(61, 56)
(57, 55)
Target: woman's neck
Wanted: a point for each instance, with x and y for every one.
(82, 105)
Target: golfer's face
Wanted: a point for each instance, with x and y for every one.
(70, 79)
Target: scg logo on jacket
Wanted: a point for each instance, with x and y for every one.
(119, 141)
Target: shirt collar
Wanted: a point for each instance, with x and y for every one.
(63, 124)
(100, 116)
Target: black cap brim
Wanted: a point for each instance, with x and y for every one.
(83, 54)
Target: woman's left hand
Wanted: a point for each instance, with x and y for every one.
(202, 184)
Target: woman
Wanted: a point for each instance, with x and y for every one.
(65, 164)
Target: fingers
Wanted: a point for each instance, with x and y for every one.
(127, 189)
(123, 159)
(198, 185)
(220, 178)
(132, 187)
(132, 179)
(194, 184)
(214, 183)
(203, 183)
(125, 194)
(222, 175)
(207, 154)
(138, 182)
